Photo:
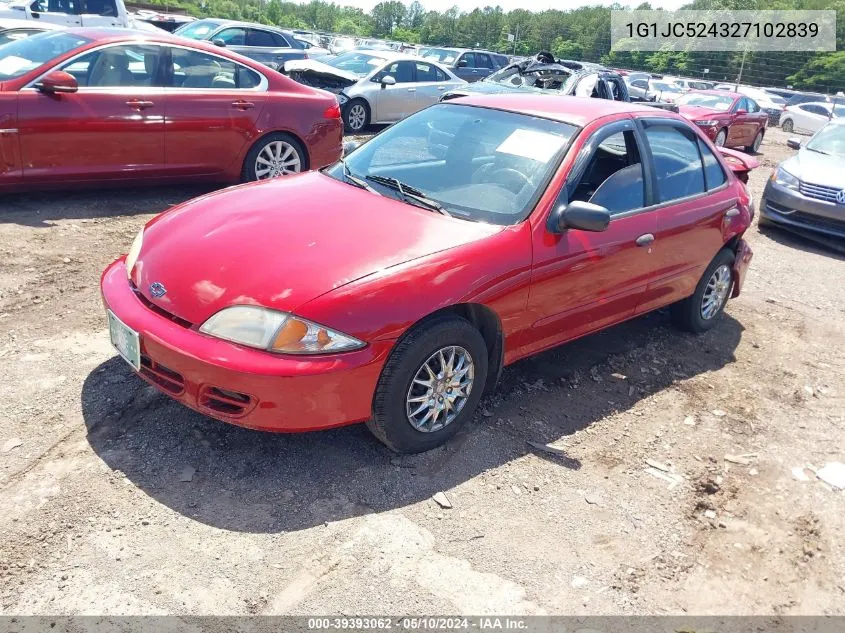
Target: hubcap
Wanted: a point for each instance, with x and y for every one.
(357, 116)
(716, 292)
(277, 158)
(440, 389)
(720, 139)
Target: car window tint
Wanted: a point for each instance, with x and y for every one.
(614, 176)
(752, 105)
(426, 72)
(483, 61)
(441, 76)
(54, 6)
(402, 72)
(127, 66)
(714, 175)
(257, 37)
(195, 69)
(677, 163)
(468, 60)
(232, 37)
(99, 7)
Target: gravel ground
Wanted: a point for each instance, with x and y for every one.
(95, 517)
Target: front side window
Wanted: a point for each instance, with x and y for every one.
(125, 66)
(614, 177)
(677, 162)
(478, 163)
(467, 61)
(195, 69)
(402, 72)
(21, 56)
(232, 37)
(54, 6)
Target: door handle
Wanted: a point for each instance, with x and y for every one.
(441, 87)
(243, 105)
(412, 89)
(135, 104)
(645, 240)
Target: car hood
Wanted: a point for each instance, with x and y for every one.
(282, 243)
(319, 75)
(698, 113)
(819, 169)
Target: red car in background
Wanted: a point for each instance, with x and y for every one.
(729, 119)
(86, 106)
(393, 286)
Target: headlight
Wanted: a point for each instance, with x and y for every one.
(276, 332)
(785, 179)
(134, 251)
(342, 98)
(707, 123)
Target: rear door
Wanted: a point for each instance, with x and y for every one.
(212, 107)
(113, 127)
(99, 13)
(64, 12)
(692, 196)
(431, 83)
(392, 103)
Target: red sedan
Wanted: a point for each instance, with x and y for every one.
(729, 119)
(393, 286)
(105, 106)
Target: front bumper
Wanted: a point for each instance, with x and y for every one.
(244, 386)
(791, 209)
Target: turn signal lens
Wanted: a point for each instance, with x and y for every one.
(298, 336)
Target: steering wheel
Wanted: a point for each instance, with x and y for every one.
(509, 178)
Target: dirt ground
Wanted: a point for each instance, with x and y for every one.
(95, 517)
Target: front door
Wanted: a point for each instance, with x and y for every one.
(584, 281)
(467, 68)
(113, 127)
(213, 104)
(10, 163)
(64, 12)
(392, 103)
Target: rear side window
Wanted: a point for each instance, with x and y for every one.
(99, 7)
(714, 176)
(257, 37)
(232, 37)
(677, 162)
(426, 72)
(483, 61)
(198, 70)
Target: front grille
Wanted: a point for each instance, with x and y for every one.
(818, 192)
(230, 403)
(172, 382)
(817, 221)
(160, 311)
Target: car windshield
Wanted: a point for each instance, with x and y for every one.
(197, 30)
(477, 163)
(442, 55)
(659, 85)
(358, 63)
(19, 57)
(829, 140)
(715, 102)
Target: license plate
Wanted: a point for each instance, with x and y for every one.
(125, 340)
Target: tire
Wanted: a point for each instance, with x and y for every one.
(788, 126)
(755, 145)
(391, 416)
(291, 158)
(688, 314)
(356, 116)
(721, 138)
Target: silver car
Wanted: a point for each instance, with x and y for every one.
(806, 193)
(376, 86)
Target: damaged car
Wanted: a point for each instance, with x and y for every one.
(376, 86)
(546, 75)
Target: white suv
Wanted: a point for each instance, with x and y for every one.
(69, 13)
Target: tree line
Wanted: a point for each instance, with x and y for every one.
(581, 34)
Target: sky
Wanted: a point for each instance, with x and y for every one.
(509, 5)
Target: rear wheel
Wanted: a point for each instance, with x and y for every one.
(356, 116)
(755, 146)
(721, 138)
(699, 312)
(430, 386)
(787, 125)
(273, 156)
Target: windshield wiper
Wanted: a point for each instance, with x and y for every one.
(352, 179)
(817, 151)
(410, 194)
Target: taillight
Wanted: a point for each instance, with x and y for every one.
(332, 112)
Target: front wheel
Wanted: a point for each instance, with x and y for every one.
(721, 138)
(273, 156)
(699, 312)
(430, 386)
(356, 116)
(787, 126)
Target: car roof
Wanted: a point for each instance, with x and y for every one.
(575, 110)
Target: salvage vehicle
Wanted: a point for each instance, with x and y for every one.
(11, 30)
(87, 106)
(266, 44)
(376, 86)
(729, 119)
(469, 64)
(810, 117)
(805, 193)
(546, 220)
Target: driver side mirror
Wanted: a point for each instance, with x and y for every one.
(388, 80)
(57, 81)
(580, 215)
(218, 42)
(463, 63)
(793, 143)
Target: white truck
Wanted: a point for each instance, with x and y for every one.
(69, 13)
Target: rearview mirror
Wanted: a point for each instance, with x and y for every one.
(584, 216)
(388, 80)
(793, 143)
(218, 42)
(57, 81)
(349, 147)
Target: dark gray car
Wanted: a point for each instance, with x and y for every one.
(469, 65)
(265, 44)
(806, 194)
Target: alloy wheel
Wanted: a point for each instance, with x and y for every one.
(277, 158)
(716, 292)
(721, 137)
(440, 389)
(357, 116)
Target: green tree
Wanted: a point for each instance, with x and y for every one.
(387, 16)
